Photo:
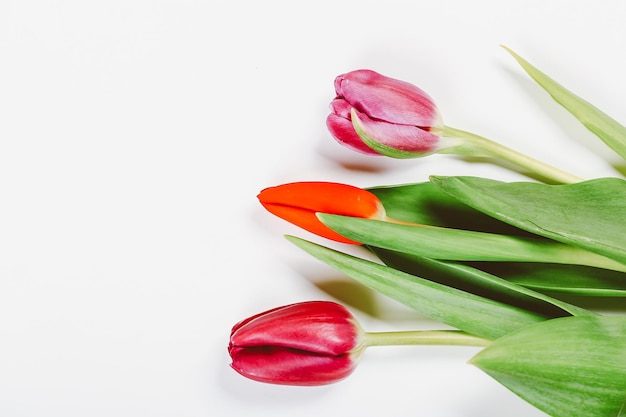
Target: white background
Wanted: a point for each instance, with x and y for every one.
(135, 136)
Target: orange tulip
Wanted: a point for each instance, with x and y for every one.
(299, 202)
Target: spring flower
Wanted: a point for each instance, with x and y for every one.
(299, 202)
(395, 115)
(316, 343)
(378, 115)
(309, 343)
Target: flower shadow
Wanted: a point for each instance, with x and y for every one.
(350, 160)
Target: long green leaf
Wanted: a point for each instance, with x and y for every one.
(423, 203)
(556, 278)
(476, 281)
(590, 214)
(600, 124)
(468, 312)
(461, 245)
(567, 367)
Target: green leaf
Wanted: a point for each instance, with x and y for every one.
(468, 312)
(566, 367)
(600, 124)
(423, 203)
(461, 245)
(475, 281)
(590, 214)
(556, 278)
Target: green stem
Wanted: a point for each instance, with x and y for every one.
(424, 337)
(475, 145)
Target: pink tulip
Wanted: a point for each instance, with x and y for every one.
(308, 343)
(393, 117)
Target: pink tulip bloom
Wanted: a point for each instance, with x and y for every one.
(394, 118)
(308, 343)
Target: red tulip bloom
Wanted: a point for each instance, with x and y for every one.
(299, 202)
(317, 343)
(393, 117)
(309, 343)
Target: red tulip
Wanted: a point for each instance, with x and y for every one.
(393, 117)
(299, 202)
(309, 343)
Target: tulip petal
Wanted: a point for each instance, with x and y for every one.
(388, 99)
(308, 343)
(341, 108)
(343, 131)
(298, 202)
(325, 197)
(244, 322)
(319, 327)
(291, 367)
(306, 220)
(396, 141)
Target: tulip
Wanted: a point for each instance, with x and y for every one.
(299, 202)
(310, 343)
(378, 115)
(396, 115)
(316, 343)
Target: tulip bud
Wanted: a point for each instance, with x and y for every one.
(378, 115)
(299, 202)
(308, 343)
(375, 114)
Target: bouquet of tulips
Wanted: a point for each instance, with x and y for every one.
(494, 261)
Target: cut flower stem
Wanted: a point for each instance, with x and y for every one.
(474, 145)
(424, 337)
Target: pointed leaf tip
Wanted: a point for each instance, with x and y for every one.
(610, 131)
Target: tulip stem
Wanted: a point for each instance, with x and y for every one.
(475, 145)
(424, 337)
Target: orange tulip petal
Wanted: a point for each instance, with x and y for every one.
(307, 220)
(299, 201)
